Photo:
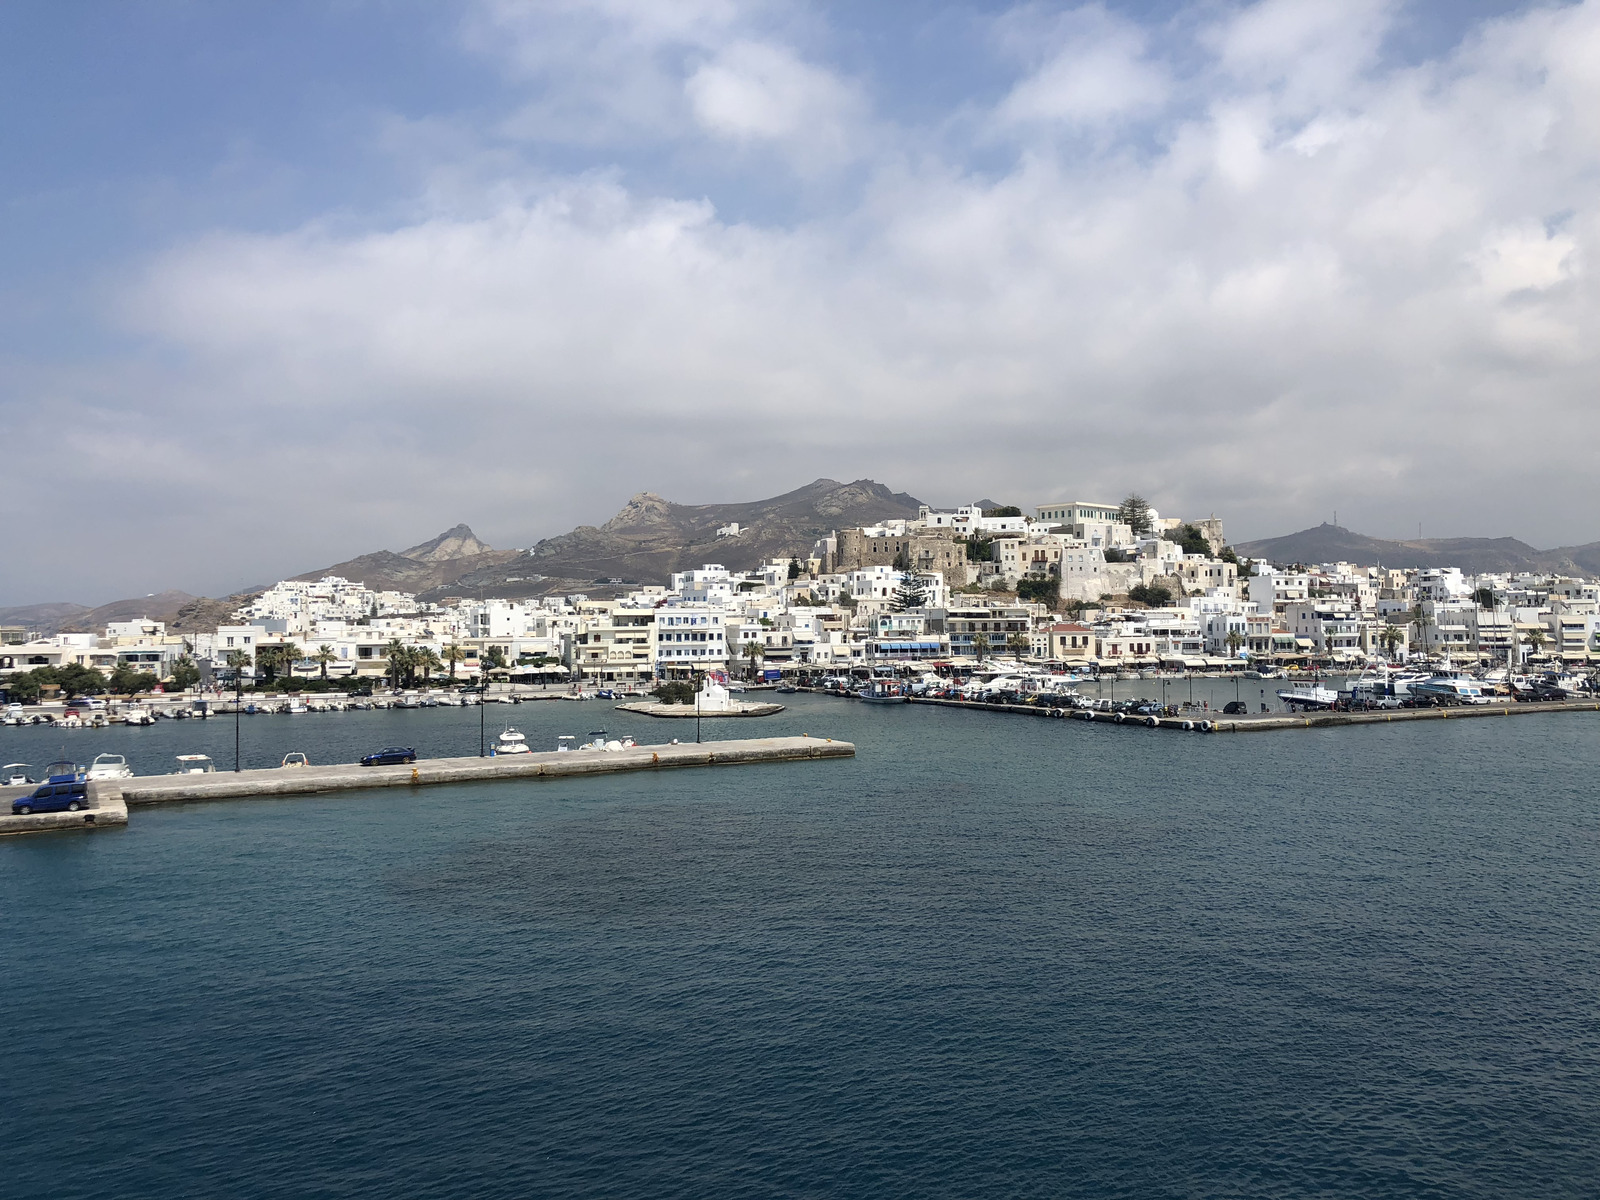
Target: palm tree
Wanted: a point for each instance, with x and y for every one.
(427, 659)
(1390, 640)
(1420, 620)
(755, 652)
(980, 646)
(396, 653)
(1233, 641)
(454, 654)
(237, 661)
(1536, 640)
(323, 657)
(1018, 644)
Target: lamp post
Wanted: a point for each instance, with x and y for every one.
(238, 703)
(483, 696)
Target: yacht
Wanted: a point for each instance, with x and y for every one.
(110, 766)
(1308, 697)
(511, 742)
(1450, 689)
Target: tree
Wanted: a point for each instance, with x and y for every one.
(23, 688)
(1151, 595)
(1390, 640)
(1045, 589)
(454, 654)
(130, 681)
(1420, 620)
(755, 652)
(184, 673)
(980, 549)
(910, 594)
(1018, 644)
(237, 661)
(1134, 512)
(794, 569)
(324, 655)
(428, 660)
(980, 646)
(902, 561)
(1004, 510)
(1234, 641)
(1536, 640)
(395, 652)
(496, 658)
(1191, 539)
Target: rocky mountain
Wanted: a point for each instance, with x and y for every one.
(651, 537)
(1334, 543)
(44, 619)
(426, 568)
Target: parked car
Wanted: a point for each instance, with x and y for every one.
(87, 703)
(52, 797)
(390, 756)
(1234, 708)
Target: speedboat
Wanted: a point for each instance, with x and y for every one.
(597, 741)
(295, 759)
(195, 764)
(564, 742)
(137, 714)
(110, 766)
(511, 742)
(15, 775)
(1309, 697)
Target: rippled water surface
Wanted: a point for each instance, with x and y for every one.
(990, 955)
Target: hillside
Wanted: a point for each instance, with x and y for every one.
(651, 537)
(44, 619)
(1333, 543)
(425, 568)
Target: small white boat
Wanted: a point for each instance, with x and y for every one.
(511, 742)
(564, 742)
(195, 764)
(296, 707)
(15, 775)
(295, 759)
(137, 714)
(110, 766)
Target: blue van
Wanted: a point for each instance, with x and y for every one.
(53, 797)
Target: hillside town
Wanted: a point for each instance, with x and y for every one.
(1077, 587)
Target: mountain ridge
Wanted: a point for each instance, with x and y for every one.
(1335, 543)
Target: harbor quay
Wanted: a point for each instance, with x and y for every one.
(110, 800)
(1214, 722)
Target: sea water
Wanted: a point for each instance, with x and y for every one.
(990, 955)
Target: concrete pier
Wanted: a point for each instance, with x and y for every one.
(294, 781)
(1214, 722)
(106, 808)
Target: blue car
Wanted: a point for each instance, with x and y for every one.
(390, 756)
(68, 796)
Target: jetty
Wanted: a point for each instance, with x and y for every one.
(1215, 722)
(110, 800)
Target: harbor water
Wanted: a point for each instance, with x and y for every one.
(987, 956)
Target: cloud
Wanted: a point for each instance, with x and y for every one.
(1275, 297)
(1095, 71)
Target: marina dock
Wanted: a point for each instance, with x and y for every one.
(1214, 722)
(110, 801)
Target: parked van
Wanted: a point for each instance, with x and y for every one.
(53, 797)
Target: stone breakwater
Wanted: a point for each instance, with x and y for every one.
(109, 802)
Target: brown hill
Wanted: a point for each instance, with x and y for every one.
(1334, 543)
(652, 537)
(426, 568)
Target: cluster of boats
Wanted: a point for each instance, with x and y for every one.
(513, 741)
(1389, 688)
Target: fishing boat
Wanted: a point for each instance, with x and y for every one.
(511, 742)
(883, 691)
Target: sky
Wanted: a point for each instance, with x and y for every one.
(284, 282)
